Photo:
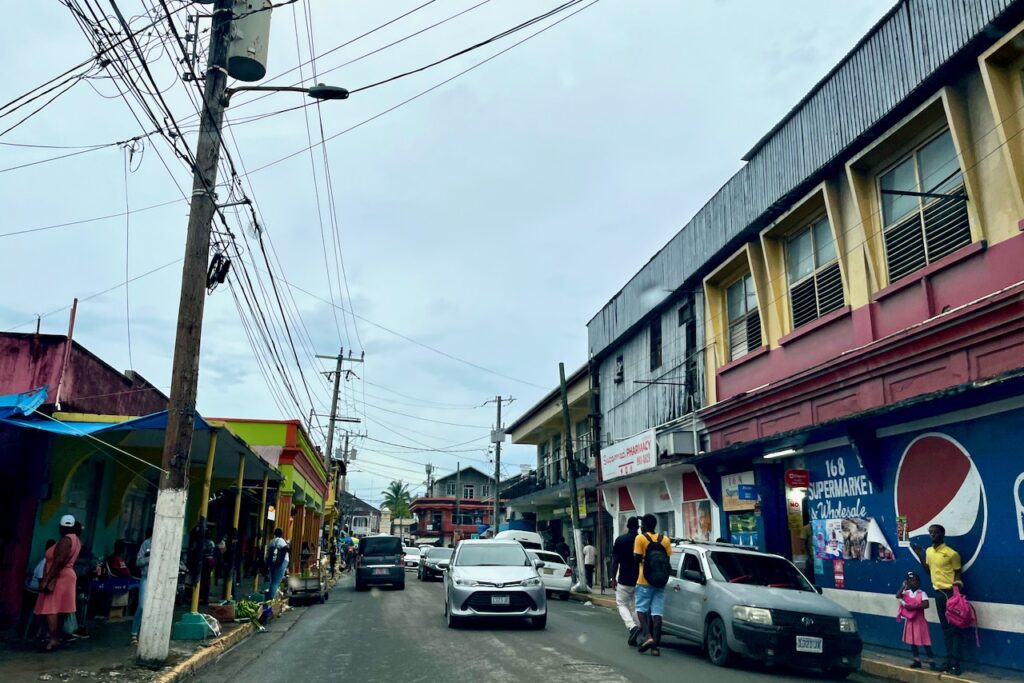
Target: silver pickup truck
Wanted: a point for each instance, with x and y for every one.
(740, 602)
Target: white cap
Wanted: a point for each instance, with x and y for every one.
(67, 521)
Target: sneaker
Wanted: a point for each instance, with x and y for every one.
(955, 670)
(634, 635)
(916, 664)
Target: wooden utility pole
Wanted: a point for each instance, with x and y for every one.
(155, 635)
(500, 436)
(574, 505)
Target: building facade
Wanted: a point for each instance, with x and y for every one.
(862, 320)
(456, 506)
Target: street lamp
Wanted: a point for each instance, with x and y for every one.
(317, 92)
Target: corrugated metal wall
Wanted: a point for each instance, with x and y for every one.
(916, 39)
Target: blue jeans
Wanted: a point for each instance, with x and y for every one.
(137, 620)
(276, 575)
(650, 600)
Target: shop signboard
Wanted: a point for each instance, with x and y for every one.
(736, 491)
(797, 479)
(635, 454)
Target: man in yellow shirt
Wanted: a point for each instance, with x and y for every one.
(650, 589)
(943, 564)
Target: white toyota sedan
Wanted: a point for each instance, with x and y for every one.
(556, 573)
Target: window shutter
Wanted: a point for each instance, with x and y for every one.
(804, 304)
(904, 247)
(753, 330)
(829, 283)
(737, 338)
(946, 227)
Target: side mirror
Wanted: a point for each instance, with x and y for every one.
(817, 589)
(694, 575)
(538, 564)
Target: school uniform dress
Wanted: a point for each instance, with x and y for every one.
(915, 624)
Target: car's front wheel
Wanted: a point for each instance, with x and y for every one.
(451, 619)
(717, 644)
(540, 622)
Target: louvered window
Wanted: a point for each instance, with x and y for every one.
(924, 208)
(815, 283)
(744, 321)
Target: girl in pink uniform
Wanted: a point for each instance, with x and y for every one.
(913, 603)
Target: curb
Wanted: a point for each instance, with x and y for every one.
(201, 659)
(873, 667)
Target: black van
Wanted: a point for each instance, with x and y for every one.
(380, 561)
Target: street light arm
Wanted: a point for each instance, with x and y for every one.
(317, 92)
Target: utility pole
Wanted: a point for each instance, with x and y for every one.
(458, 500)
(497, 437)
(332, 469)
(574, 506)
(168, 524)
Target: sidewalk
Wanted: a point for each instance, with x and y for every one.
(877, 661)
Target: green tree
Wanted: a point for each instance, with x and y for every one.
(397, 499)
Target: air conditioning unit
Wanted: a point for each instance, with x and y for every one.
(681, 443)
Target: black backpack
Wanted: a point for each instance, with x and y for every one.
(275, 556)
(656, 565)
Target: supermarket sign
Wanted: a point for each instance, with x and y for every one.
(634, 454)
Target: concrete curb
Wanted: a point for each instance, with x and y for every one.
(201, 659)
(871, 666)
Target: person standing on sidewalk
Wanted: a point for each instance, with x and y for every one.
(142, 562)
(625, 571)
(58, 585)
(943, 565)
(589, 561)
(277, 560)
(652, 553)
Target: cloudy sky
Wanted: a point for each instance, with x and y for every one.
(481, 225)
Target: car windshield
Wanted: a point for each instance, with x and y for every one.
(757, 570)
(383, 545)
(438, 553)
(411, 551)
(546, 556)
(492, 555)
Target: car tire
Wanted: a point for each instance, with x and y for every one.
(565, 595)
(400, 586)
(451, 619)
(716, 643)
(539, 623)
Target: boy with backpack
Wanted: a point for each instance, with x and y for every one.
(652, 553)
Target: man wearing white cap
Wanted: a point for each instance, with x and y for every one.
(57, 587)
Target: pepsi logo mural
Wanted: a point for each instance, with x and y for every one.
(937, 482)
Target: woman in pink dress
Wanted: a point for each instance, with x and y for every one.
(913, 603)
(57, 587)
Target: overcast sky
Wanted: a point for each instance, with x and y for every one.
(489, 219)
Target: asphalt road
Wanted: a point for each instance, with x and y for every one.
(387, 635)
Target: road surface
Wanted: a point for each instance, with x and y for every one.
(401, 636)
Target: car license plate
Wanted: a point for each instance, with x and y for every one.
(499, 599)
(549, 571)
(380, 571)
(808, 644)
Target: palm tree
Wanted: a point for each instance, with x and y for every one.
(397, 499)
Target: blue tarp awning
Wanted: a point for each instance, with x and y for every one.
(152, 421)
(24, 403)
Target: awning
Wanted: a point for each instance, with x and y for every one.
(146, 434)
(24, 403)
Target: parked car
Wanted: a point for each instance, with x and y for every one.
(412, 557)
(741, 602)
(433, 563)
(380, 562)
(490, 578)
(530, 540)
(556, 573)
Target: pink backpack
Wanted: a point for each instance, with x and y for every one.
(960, 613)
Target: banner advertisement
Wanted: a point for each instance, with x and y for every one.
(736, 490)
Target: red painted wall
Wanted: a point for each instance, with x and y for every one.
(896, 347)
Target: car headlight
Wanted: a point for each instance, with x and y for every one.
(753, 615)
(847, 625)
(530, 582)
(466, 582)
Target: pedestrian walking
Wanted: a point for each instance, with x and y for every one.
(57, 587)
(625, 571)
(277, 560)
(589, 561)
(913, 603)
(142, 562)
(652, 553)
(943, 565)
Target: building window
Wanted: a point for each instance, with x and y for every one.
(655, 334)
(620, 370)
(435, 520)
(451, 489)
(582, 437)
(744, 321)
(468, 490)
(924, 207)
(485, 490)
(815, 283)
